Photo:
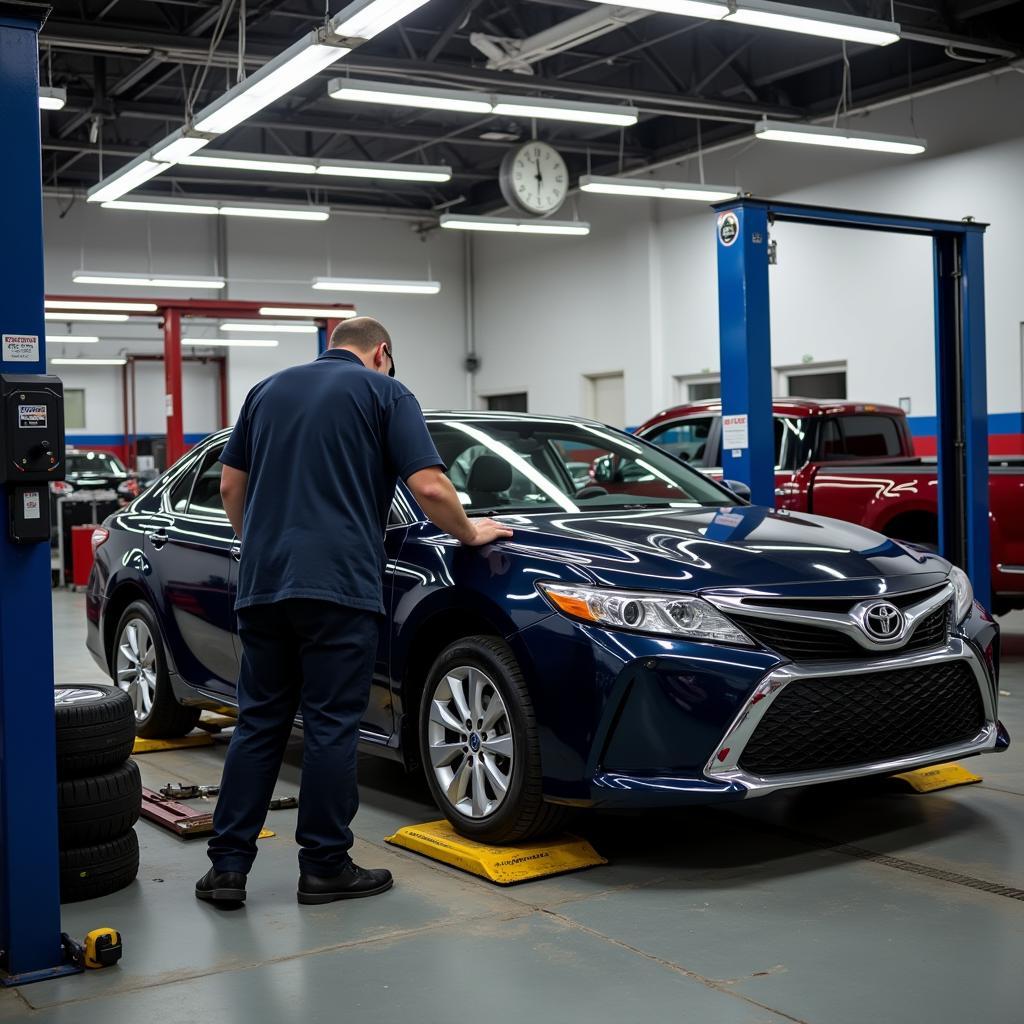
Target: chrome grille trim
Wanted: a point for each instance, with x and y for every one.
(724, 767)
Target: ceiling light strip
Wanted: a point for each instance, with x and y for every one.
(214, 208)
(233, 342)
(100, 305)
(465, 222)
(334, 168)
(130, 280)
(279, 328)
(52, 98)
(105, 318)
(308, 312)
(656, 189)
(77, 361)
(838, 137)
(356, 284)
(71, 339)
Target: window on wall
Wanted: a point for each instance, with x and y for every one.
(697, 389)
(74, 408)
(814, 381)
(514, 401)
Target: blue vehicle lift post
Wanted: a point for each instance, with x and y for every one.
(961, 401)
(30, 934)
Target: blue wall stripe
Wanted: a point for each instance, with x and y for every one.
(118, 439)
(998, 423)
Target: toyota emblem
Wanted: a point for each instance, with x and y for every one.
(883, 621)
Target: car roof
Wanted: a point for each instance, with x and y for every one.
(793, 406)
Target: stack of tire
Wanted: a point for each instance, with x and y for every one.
(99, 791)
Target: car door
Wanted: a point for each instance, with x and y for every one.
(191, 551)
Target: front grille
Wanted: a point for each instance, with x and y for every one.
(792, 639)
(836, 721)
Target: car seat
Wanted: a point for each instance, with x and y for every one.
(489, 476)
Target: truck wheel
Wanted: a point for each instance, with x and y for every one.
(95, 729)
(139, 667)
(98, 808)
(478, 740)
(87, 872)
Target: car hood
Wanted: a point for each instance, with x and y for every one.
(734, 546)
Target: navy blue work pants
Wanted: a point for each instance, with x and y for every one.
(313, 656)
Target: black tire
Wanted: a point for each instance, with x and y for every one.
(95, 729)
(98, 808)
(87, 872)
(523, 813)
(166, 718)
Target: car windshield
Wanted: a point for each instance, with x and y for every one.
(523, 465)
(93, 464)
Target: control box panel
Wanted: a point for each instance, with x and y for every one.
(31, 428)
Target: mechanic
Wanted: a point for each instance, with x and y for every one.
(308, 477)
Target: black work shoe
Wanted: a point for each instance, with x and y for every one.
(351, 884)
(221, 887)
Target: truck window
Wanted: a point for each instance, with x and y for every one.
(686, 439)
(859, 437)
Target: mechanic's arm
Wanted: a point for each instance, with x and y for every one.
(436, 496)
(233, 484)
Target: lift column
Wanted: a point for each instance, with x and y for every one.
(29, 872)
(172, 386)
(748, 430)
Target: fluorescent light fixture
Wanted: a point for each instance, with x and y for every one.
(656, 189)
(233, 342)
(52, 98)
(365, 19)
(401, 95)
(336, 168)
(106, 318)
(71, 339)
(147, 280)
(466, 102)
(179, 145)
(710, 10)
(299, 63)
(356, 284)
(565, 110)
(101, 305)
(466, 222)
(214, 208)
(88, 362)
(278, 328)
(308, 312)
(121, 182)
(811, 22)
(841, 138)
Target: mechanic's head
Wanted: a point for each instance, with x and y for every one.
(368, 339)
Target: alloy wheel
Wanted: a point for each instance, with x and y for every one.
(136, 666)
(469, 741)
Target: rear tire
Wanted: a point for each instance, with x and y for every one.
(95, 729)
(88, 872)
(99, 808)
(469, 756)
(138, 666)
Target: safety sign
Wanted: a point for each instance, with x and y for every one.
(21, 348)
(734, 432)
(31, 416)
(31, 503)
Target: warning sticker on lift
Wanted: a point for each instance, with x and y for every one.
(734, 432)
(21, 348)
(31, 504)
(728, 227)
(32, 416)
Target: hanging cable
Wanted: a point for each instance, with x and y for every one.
(700, 154)
(240, 77)
(199, 75)
(842, 104)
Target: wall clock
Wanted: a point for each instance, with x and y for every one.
(534, 178)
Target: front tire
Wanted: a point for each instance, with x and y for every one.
(479, 744)
(139, 667)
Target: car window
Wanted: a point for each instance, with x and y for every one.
(178, 496)
(82, 464)
(206, 499)
(537, 465)
(685, 439)
(859, 437)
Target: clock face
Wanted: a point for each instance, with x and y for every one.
(534, 178)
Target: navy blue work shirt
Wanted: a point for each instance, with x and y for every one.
(324, 444)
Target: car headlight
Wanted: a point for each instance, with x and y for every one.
(643, 612)
(963, 592)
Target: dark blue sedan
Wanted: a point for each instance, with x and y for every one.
(645, 638)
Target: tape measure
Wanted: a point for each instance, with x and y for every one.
(102, 948)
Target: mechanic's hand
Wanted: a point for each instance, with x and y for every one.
(487, 531)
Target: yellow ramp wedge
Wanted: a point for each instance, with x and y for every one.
(939, 776)
(201, 739)
(503, 865)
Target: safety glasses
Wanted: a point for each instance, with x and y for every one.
(391, 372)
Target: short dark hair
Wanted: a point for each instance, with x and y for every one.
(361, 332)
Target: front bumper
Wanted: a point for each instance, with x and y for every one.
(666, 723)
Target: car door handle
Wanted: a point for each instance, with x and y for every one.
(158, 538)
(236, 552)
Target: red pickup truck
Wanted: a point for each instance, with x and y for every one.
(855, 461)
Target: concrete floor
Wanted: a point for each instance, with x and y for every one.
(840, 905)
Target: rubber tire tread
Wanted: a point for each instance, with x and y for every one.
(95, 735)
(87, 872)
(98, 808)
(534, 817)
(167, 718)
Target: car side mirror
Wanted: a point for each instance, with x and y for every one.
(602, 469)
(739, 488)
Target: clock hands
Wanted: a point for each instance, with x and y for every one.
(539, 177)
